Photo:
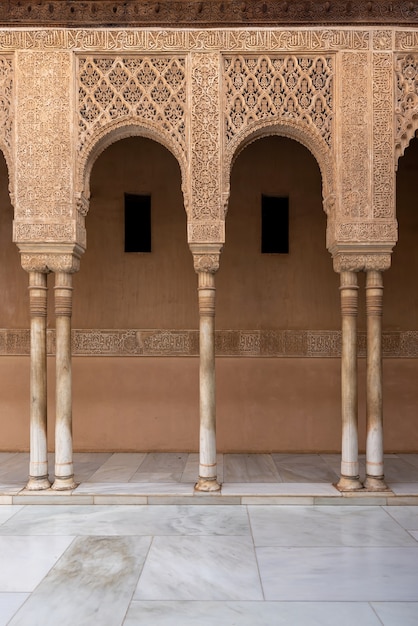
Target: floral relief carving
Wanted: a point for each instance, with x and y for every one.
(148, 89)
(355, 146)
(6, 97)
(44, 142)
(406, 100)
(383, 149)
(205, 154)
(361, 262)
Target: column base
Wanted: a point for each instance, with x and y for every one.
(64, 484)
(38, 483)
(207, 484)
(375, 483)
(349, 483)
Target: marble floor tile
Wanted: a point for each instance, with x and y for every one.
(136, 488)
(15, 469)
(406, 516)
(412, 459)
(280, 489)
(128, 520)
(26, 560)
(11, 489)
(7, 511)
(303, 468)
(339, 574)
(397, 613)
(163, 463)
(326, 526)
(398, 470)
(250, 614)
(9, 604)
(86, 464)
(118, 468)
(200, 568)
(91, 584)
(250, 468)
(404, 489)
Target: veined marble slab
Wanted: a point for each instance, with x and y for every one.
(9, 604)
(200, 613)
(397, 613)
(279, 489)
(200, 568)
(404, 489)
(7, 511)
(339, 574)
(406, 516)
(398, 470)
(91, 584)
(303, 468)
(134, 488)
(250, 468)
(119, 468)
(11, 489)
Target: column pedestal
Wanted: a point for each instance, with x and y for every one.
(374, 442)
(38, 464)
(64, 471)
(349, 480)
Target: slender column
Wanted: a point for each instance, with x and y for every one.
(207, 452)
(349, 480)
(38, 465)
(64, 472)
(374, 442)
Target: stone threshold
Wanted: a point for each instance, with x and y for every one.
(231, 494)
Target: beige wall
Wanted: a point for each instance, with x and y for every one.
(263, 404)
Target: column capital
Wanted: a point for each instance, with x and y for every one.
(49, 258)
(206, 257)
(359, 261)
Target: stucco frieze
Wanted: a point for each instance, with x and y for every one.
(228, 343)
(366, 231)
(247, 39)
(206, 13)
(346, 260)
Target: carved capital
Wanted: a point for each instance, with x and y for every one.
(44, 258)
(82, 204)
(206, 263)
(346, 262)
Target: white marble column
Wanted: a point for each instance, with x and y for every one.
(38, 465)
(207, 480)
(64, 471)
(374, 442)
(349, 480)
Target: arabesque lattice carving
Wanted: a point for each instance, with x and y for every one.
(406, 101)
(6, 85)
(383, 171)
(150, 89)
(285, 87)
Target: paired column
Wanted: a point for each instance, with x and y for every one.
(374, 406)
(64, 470)
(207, 480)
(349, 480)
(38, 464)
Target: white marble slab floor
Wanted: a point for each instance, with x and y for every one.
(179, 565)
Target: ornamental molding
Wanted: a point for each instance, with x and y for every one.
(228, 343)
(206, 13)
(406, 106)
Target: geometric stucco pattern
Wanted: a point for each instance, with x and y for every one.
(383, 146)
(6, 96)
(185, 343)
(150, 90)
(406, 100)
(291, 88)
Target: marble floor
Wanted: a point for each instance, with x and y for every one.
(226, 565)
(168, 478)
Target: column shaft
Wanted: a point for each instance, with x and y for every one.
(374, 442)
(64, 471)
(349, 480)
(38, 465)
(207, 452)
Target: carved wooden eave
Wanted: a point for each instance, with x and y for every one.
(206, 13)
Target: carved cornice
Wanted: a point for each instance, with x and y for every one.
(205, 13)
(229, 343)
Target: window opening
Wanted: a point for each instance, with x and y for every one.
(274, 225)
(137, 223)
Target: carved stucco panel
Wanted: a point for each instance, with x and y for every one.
(406, 107)
(205, 168)
(354, 145)
(44, 141)
(383, 144)
(7, 116)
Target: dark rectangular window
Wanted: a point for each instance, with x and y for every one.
(274, 225)
(137, 223)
